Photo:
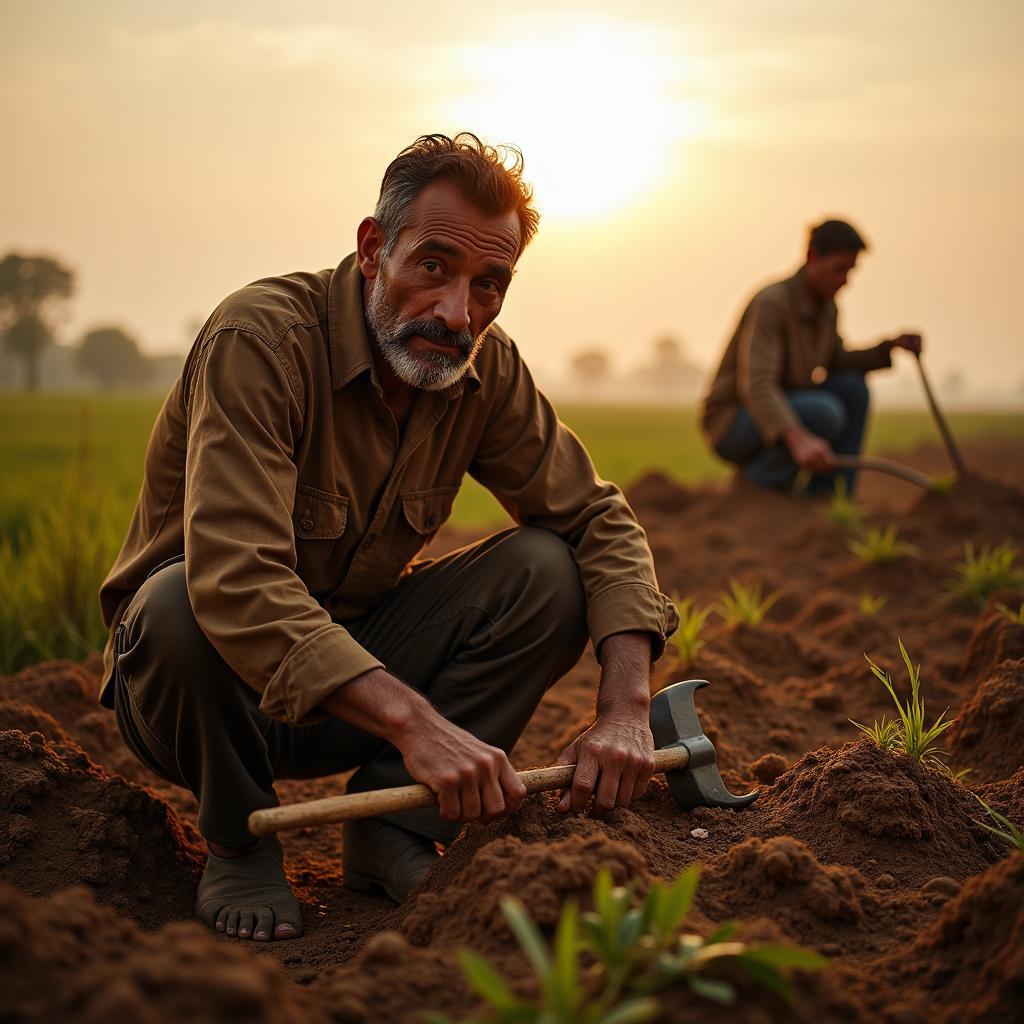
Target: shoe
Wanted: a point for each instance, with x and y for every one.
(378, 855)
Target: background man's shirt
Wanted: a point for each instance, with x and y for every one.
(277, 470)
(781, 339)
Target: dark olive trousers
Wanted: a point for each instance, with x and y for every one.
(481, 632)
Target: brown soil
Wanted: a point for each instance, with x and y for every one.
(869, 858)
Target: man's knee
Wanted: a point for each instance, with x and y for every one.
(824, 414)
(546, 569)
(851, 388)
(162, 637)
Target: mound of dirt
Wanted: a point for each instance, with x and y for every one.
(27, 718)
(995, 639)
(1006, 797)
(860, 805)
(968, 966)
(66, 958)
(988, 736)
(64, 821)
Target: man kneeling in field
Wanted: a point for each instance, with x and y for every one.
(269, 617)
(788, 394)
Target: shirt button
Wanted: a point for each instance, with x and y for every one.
(306, 522)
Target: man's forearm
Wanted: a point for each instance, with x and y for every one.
(379, 703)
(625, 674)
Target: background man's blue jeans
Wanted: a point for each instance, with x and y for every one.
(836, 411)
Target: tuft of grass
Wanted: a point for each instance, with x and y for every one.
(882, 547)
(743, 605)
(843, 511)
(686, 639)
(871, 604)
(1015, 617)
(605, 965)
(909, 734)
(1006, 829)
(979, 574)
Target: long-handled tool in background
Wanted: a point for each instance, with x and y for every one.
(954, 452)
(684, 754)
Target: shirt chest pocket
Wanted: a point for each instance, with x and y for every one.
(318, 515)
(426, 511)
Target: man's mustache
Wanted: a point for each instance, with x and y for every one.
(434, 331)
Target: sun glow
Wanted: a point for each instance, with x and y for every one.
(598, 109)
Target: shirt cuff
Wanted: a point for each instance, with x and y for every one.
(632, 607)
(312, 670)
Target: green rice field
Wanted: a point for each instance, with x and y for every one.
(72, 467)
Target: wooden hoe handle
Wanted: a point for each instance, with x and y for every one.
(410, 798)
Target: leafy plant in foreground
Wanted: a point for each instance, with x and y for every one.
(606, 964)
(1007, 830)
(871, 604)
(990, 569)
(743, 605)
(686, 639)
(908, 735)
(843, 510)
(1016, 617)
(882, 547)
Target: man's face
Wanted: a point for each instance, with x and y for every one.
(827, 274)
(431, 300)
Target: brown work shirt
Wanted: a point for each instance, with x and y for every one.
(278, 471)
(783, 342)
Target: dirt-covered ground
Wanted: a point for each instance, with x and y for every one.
(864, 856)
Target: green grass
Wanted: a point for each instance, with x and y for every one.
(72, 466)
(908, 734)
(686, 639)
(605, 966)
(881, 547)
(982, 572)
(743, 605)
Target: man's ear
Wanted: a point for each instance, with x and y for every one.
(369, 246)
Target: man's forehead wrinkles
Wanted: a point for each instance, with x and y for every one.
(505, 243)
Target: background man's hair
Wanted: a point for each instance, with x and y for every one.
(835, 236)
(489, 176)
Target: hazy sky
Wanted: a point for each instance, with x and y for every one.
(171, 153)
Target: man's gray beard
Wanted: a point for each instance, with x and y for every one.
(428, 371)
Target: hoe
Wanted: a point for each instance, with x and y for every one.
(684, 754)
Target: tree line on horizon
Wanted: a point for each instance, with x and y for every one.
(34, 293)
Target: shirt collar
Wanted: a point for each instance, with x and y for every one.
(349, 341)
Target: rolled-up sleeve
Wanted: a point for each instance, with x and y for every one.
(541, 473)
(244, 413)
(759, 370)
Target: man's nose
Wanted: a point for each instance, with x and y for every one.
(453, 306)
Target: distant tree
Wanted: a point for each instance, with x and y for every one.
(590, 367)
(111, 356)
(33, 290)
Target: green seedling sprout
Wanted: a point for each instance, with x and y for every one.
(882, 547)
(1006, 830)
(743, 605)
(909, 735)
(605, 966)
(1015, 617)
(686, 639)
(979, 574)
(871, 604)
(843, 510)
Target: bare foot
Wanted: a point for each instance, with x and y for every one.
(245, 894)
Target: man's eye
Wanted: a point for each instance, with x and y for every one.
(490, 285)
(430, 266)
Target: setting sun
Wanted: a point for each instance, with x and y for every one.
(597, 109)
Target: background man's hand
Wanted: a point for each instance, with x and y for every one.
(615, 756)
(911, 342)
(809, 451)
(473, 781)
